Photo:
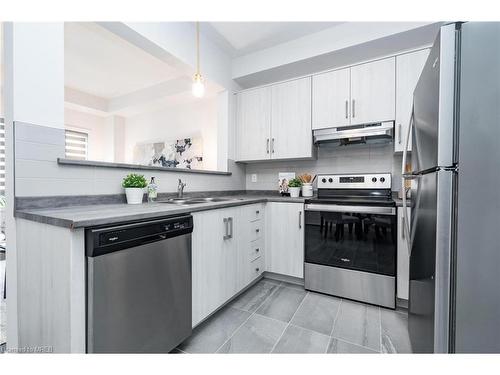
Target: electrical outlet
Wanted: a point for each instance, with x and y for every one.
(254, 177)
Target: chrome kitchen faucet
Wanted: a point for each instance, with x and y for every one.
(180, 188)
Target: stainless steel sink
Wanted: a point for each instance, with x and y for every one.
(216, 199)
(194, 200)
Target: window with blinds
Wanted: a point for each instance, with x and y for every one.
(2, 156)
(76, 144)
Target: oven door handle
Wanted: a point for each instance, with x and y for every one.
(351, 209)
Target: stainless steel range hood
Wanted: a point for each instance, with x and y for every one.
(348, 135)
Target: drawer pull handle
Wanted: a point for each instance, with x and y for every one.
(257, 230)
(257, 212)
(257, 269)
(257, 250)
(112, 238)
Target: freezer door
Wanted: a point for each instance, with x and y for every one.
(429, 262)
(434, 105)
(478, 250)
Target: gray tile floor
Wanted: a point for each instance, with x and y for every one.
(277, 317)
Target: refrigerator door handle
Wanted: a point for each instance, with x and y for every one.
(406, 177)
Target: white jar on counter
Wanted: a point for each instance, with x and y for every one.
(307, 190)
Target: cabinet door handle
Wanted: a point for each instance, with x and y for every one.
(300, 219)
(403, 227)
(257, 250)
(230, 227)
(257, 230)
(226, 228)
(267, 146)
(347, 109)
(353, 108)
(257, 212)
(400, 133)
(272, 146)
(257, 269)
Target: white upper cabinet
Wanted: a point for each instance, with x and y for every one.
(291, 135)
(373, 92)
(253, 116)
(330, 99)
(361, 94)
(408, 69)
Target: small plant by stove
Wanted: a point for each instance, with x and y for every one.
(134, 185)
(294, 186)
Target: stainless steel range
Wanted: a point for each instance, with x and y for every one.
(351, 238)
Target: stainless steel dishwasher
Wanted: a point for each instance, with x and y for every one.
(139, 286)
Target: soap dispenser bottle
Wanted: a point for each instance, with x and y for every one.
(152, 190)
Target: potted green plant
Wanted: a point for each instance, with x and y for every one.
(294, 186)
(134, 185)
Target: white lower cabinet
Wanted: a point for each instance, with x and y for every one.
(224, 260)
(213, 261)
(403, 264)
(285, 238)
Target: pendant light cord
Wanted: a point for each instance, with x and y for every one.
(197, 48)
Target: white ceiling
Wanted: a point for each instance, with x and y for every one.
(102, 64)
(108, 75)
(241, 38)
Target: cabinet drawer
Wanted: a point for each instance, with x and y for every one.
(256, 267)
(256, 212)
(256, 249)
(256, 230)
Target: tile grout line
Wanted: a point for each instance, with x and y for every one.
(293, 316)
(309, 330)
(333, 326)
(344, 340)
(247, 319)
(354, 344)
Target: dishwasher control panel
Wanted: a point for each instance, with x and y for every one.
(101, 240)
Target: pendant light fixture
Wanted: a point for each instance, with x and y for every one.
(198, 88)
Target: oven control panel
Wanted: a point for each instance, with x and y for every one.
(354, 181)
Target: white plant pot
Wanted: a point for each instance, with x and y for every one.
(307, 190)
(134, 195)
(294, 192)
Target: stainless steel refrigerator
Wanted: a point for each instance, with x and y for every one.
(454, 298)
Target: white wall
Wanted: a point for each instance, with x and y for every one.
(33, 92)
(196, 119)
(38, 93)
(100, 130)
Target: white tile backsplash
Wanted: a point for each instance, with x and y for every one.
(331, 159)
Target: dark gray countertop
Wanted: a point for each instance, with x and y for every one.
(101, 214)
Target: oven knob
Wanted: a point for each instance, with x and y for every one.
(374, 179)
(323, 180)
(330, 180)
(382, 179)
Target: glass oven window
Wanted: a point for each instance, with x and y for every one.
(358, 241)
